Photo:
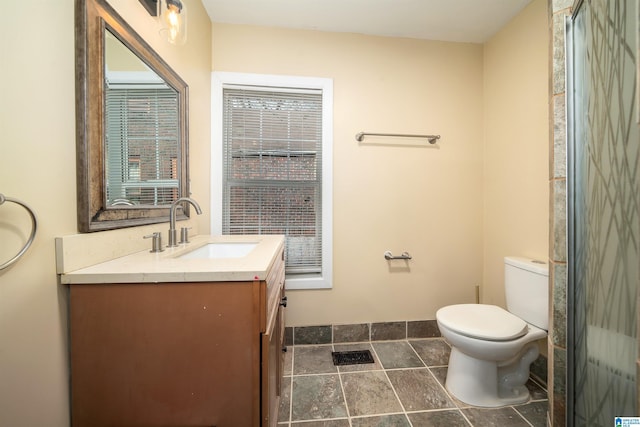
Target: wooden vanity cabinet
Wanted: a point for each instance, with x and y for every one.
(177, 354)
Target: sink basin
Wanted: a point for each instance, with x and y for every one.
(221, 250)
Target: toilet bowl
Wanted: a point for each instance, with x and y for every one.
(492, 348)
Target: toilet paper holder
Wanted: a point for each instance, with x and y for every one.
(389, 256)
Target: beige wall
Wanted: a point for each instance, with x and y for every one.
(401, 195)
(431, 202)
(37, 158)
(37, 165)
(516, 146)
(458, 209)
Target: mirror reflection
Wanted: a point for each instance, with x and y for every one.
(142, 131)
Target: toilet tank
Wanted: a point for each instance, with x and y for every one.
(526, 283)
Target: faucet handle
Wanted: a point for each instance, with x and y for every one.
(156, 243)
(184, 234)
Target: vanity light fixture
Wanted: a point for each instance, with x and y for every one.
(173, 17)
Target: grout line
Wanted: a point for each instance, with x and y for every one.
(293, 359)
(322, 420)
(453, 399)
(538, 383)
(521, 416)
(409, 368)
(465, 417)
(416, 353)
(395, 393)
(344, 395)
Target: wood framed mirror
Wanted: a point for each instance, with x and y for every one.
(131, 125)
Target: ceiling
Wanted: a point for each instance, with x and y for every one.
(473, 21)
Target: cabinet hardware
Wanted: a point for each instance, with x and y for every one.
(283, 301)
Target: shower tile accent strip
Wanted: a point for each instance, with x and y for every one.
(559, 10)
(388, 331)
(359, 332)
(312, 335)
(351, 333)
(423, 329)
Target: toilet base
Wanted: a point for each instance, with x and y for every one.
(476, 382)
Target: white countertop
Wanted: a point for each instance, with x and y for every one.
(167, 266)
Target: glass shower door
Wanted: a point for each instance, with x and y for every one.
(604, 222)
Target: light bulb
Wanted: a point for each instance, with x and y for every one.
(174, 21)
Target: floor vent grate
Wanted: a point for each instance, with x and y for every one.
(351, 357)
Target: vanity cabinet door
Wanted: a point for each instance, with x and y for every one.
(183, 354)
(272, 370)
(272, 343)
(270, 392)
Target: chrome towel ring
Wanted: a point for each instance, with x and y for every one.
(34, 226)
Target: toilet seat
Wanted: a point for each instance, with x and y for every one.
(482, 321)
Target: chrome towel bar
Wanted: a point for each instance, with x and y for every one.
(34, 226)
(431, 138)
(389, 256)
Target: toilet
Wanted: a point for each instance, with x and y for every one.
(492, 348)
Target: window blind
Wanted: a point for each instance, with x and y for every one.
(272, 149)
(142, 144)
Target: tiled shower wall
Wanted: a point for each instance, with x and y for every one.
(559, 10)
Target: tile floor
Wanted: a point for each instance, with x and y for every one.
(404, 387)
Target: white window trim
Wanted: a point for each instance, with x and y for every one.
(218, 81)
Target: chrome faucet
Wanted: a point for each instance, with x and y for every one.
(173, 233)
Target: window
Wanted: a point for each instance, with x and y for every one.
(272, 167)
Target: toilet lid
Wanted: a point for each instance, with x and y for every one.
(482, 321)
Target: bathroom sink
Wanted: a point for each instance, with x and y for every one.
(221, 250)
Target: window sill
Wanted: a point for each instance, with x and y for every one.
(309, 282)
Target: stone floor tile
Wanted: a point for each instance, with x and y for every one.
(506, 416)
(369, 393)
(534, 412)
(397, 354)
(323, 423)
(449, 418)
(433, 352)
(418, 390)
(285, 400)
(313, 359)
(536, 391)
(395, 420)
(315, 397)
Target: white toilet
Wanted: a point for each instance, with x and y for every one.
(492, 348)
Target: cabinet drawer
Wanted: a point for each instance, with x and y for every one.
(275, 286)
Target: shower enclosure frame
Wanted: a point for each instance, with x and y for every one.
(576, 183)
